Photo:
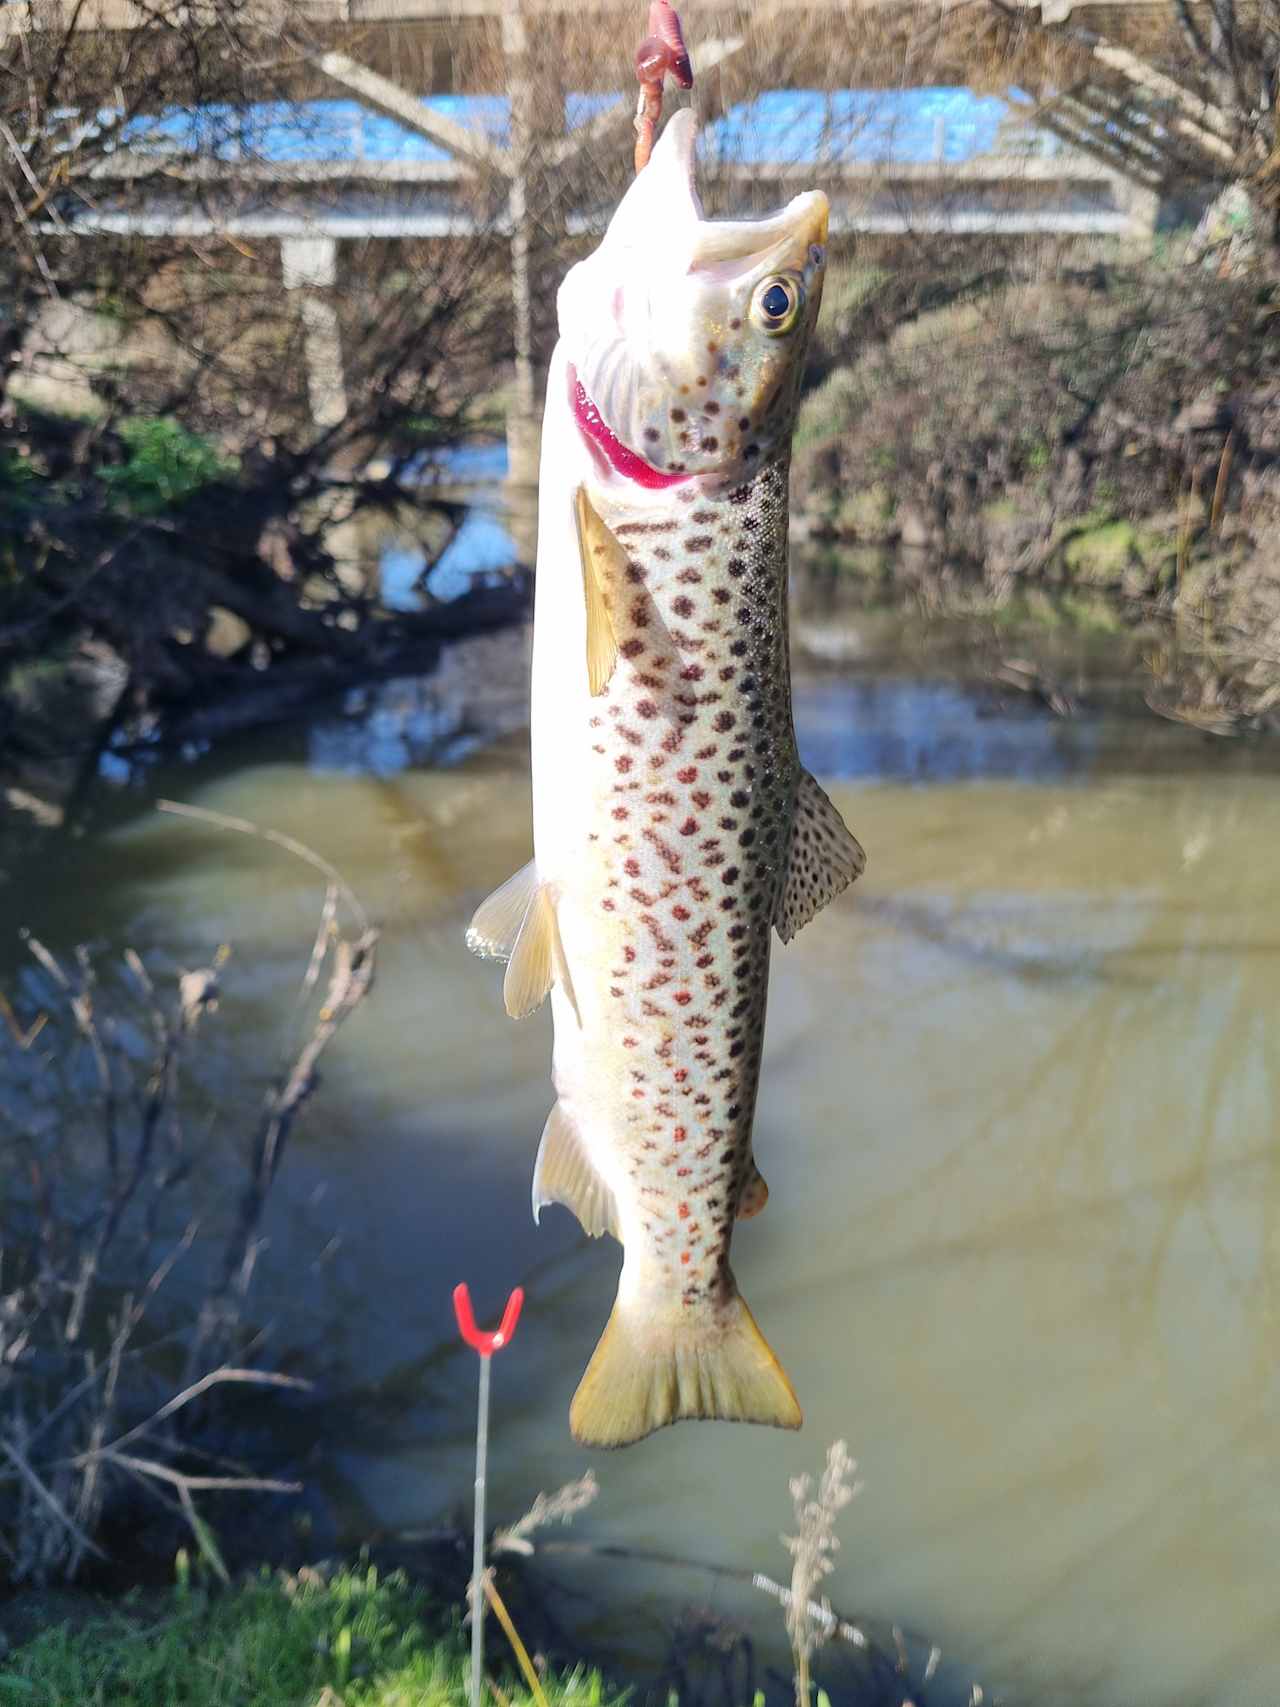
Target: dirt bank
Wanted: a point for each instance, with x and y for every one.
(1110, 437)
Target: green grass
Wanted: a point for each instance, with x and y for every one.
(353, 1640)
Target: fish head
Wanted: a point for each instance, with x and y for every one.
(685, 338)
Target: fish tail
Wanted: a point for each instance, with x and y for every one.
(644, 1374)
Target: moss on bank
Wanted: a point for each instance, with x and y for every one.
(353, 1639)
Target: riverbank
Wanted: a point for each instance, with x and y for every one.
(1100, 447)
(337, 1637)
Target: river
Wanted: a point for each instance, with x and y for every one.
(1018, 1117)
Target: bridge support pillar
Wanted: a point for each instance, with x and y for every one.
(309, 265)
(1142, 204)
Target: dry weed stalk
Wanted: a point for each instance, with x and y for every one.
(561, 1507)
(811, 1549)
(107, 1138)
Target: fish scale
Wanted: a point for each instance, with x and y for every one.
(694, 769)
(674, 826)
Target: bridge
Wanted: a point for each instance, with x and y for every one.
(458, 112)
(405, 169)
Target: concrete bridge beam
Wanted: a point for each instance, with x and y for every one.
(309, 265)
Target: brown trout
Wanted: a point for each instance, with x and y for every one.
(674, 826)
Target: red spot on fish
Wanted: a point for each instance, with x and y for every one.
(701, 798)
(680, 1075)
(681, 913)
(683, 997)
(629, 954)
(688, 774)
(689, 827)
(620, 812)
(646, 708)
(682, 1210)
(628, 1043)
(680, 1134)
(622, 763)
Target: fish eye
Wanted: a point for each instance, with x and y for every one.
(776, 305)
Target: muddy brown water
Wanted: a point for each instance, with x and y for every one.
(1018, 1116)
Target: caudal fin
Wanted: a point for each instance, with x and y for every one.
(643, 1375)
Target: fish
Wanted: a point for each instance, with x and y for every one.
(674, 826)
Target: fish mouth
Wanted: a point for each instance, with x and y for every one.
(783, 238)
(601, 437)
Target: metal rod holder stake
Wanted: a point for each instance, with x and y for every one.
(484, 1345)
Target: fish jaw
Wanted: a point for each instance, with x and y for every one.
(680, 374)
(610, 452)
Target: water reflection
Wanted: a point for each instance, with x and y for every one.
(1018, 1117)
(477, 694)
(908, 730)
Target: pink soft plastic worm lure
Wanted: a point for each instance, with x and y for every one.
(661, 54)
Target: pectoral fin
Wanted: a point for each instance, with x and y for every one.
(824, 859)
(564, 1173)
(603, 561)
(518, 924)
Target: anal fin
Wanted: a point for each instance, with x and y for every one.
(603, 561)
(564, 1173)
(824, 859)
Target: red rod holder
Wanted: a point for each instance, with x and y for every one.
(486, 1344)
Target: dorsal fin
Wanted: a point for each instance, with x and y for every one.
(603, 560)
(824, 858)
